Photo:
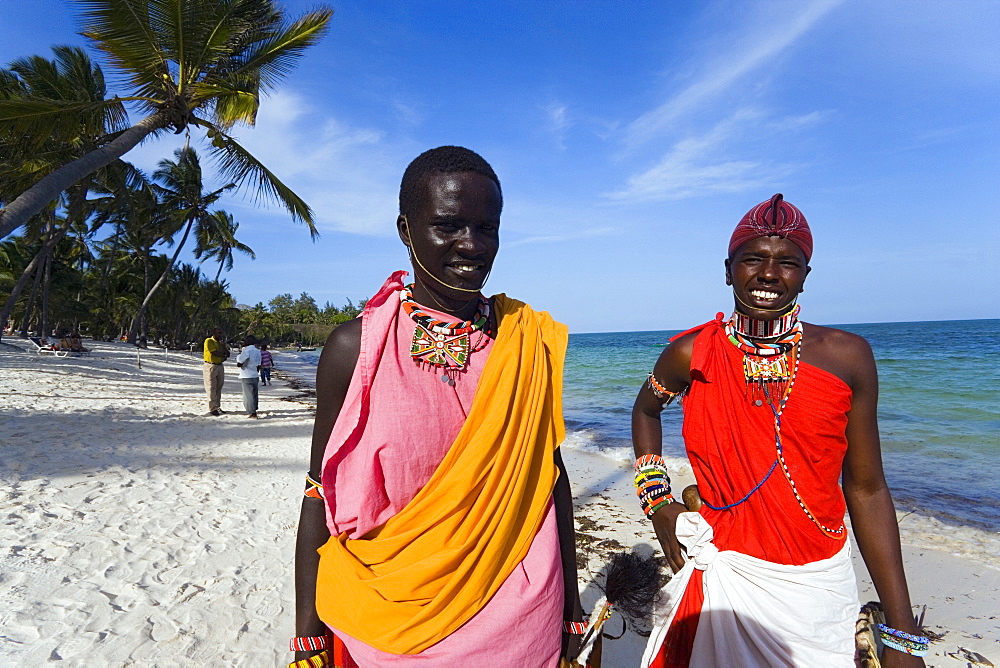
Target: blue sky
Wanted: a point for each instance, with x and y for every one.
(630, 138)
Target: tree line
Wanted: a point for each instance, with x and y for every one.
(288, 319)
(92, 243)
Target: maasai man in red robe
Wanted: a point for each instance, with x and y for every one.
(776, 411)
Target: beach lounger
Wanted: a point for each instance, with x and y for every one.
(45, 349)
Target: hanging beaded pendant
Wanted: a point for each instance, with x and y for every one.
(440, 349)
(765, 363)
(770, 376)
(442, 344)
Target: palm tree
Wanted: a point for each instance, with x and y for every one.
(181, 193)
(217, 240)
(188, 62)
(69, 79)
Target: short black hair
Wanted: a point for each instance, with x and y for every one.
(440, 160)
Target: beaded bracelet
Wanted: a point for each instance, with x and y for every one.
(903, 641)
(652, 484)
(313, 488)
(307, 643)
(315, 661)
(903, 634)
(892, 643)
(651, 509)
(576, 628)
(649, 460)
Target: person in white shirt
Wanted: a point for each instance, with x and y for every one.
(249, 363)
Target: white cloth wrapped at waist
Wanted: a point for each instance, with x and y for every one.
(757, 613)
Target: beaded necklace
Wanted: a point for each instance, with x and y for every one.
(764, 329)
(765, 375)
(441, 344)
(778, 410)
(765, 361)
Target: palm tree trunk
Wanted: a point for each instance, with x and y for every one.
(159, 282)
(34, 199)
(29, 308)
(15, 292)
(46, 281)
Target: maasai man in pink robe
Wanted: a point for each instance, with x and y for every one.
(438, 410)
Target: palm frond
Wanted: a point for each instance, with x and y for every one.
(238, 165)
(131, 35)
(274, 56)
(41, 120)
(229, 105)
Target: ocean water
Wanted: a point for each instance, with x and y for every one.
(939, 409)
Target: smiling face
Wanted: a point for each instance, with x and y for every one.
(767, 274)
(454, 233)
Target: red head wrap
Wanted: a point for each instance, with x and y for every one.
(774, 218)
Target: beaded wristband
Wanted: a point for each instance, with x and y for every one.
(313, 488)
(888, 630)
(651, 508)
(652, 484)
(316, 661)
(649, 460)
(892, 643)
(576, 628)
(307, 643)
(902, 641)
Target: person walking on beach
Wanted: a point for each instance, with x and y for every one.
(437, 527)
(215, 353)
(776, 410)
(266, 362)
(249, 363)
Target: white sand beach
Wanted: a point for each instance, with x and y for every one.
(138, 530)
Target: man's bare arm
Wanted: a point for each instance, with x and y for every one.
(868, 499)
(563, 498)
(333, 376)
(673, 372)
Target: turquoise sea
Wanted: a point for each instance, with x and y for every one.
(939, 408)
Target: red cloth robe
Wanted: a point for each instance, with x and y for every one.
(730, 443)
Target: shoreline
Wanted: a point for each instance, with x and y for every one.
(140, 530)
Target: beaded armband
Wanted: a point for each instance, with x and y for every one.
(313, 488)
(652, 484)
(902, 641)
(663, 394)
(315, 661)
(307, 643)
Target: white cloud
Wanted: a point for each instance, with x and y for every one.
(556, 238)
(700, 164)
(760, 44)
(349, 175)
(559, 122)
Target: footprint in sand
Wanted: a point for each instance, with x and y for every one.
(163, 629)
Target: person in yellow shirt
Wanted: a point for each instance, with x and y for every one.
(216, 352)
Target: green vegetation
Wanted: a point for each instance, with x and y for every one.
(286, 319)
(94, 232)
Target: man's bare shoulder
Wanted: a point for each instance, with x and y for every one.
(836, 340)
(345, 337)
(340, 355)
(684, 346)
(845, 355)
